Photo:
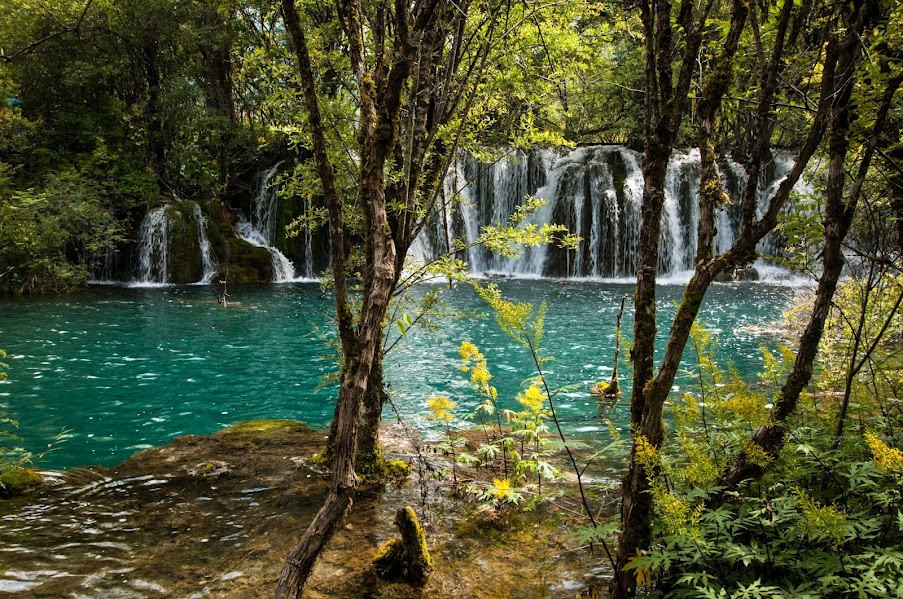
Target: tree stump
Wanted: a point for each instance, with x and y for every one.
(406, 558)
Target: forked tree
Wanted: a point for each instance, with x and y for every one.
(844, 24)
(417, 69)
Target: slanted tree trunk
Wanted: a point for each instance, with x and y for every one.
(664, 106)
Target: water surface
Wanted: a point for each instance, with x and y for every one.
(123, 369)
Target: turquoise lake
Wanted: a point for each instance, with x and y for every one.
(123, 369)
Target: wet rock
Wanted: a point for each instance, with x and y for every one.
(184, 251)
(210, 468)
(17, 481)
(246, 263)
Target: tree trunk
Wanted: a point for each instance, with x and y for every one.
(369, 452)
(839, 213)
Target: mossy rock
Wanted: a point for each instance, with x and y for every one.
(17, 481)
(320, 460)
(398, 469)
(210, 468)
(247, 263)
(264, 426)
(407, 558)
(185, 265)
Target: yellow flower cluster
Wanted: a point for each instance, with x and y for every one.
(473, 360)
(646, 453)
(747, 406)
(480, 375)
(677, 515)
(886, 457)
(532, 398)
(469, 352)
(700, 468)
(756, 454)
(441, 408)
(501, 489)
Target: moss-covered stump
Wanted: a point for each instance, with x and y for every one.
(407, 558)
(246, 263)
(17, 481)
(185, 265)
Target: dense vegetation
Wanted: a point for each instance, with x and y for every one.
(784, 486)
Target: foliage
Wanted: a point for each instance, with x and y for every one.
(825, 519)
(50, 238)
(518, 451)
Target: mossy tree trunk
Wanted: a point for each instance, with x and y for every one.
(369, 453)
(380, 96)
(840, 208)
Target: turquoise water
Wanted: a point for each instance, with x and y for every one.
(123, 369)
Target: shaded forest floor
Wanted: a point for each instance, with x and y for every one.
(214, 516)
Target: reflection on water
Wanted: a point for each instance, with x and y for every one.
(127, 369)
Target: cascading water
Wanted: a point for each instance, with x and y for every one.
(155, 239)
(260, 231)
(204, 244)
(153, 248)
(596, 192)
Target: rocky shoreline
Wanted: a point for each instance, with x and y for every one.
(214, 516)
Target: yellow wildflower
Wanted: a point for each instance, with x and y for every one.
(747, 406)
(886, 457)
(441, 408)
(825, 521)
(480, 375)
(532, 398)
(677, 515)
(501, 489)
(700, 468)
(756, 454)
(646, 453)
(469, 351)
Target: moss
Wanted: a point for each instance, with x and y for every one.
(406, 558)
(319, 459)
(389, 560)
(247, 263)
(263, 426)
(184, 262)
(17, 481)
(398, 469)
(219, 228)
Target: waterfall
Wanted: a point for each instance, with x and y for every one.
(596, 192)
(260, 231)
(153, 248)
(204, 244)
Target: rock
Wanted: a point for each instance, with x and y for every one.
(210, 468)
(246, 263)
(397, 469)
(184, 250)
(406, 558)
(600, 388)
(17, 481)
(265, 425)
